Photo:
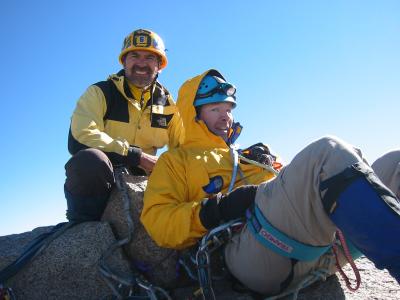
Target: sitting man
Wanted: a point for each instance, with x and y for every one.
(292, 218)
(120, 121)
(175, 212)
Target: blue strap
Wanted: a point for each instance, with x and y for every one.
(235, 158)
(279, 242)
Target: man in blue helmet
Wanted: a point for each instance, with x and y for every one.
(175, 211)
(291, 219)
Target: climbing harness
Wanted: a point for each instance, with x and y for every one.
(270, 237)
(122, 286)
(279, 242)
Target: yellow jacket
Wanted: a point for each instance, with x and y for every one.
(112, 115)
(174, 192)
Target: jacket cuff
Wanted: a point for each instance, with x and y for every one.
(133, 158)
(209, 214)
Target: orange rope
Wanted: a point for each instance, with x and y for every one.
(347, 254)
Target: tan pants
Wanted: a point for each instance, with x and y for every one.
(291, 203)
(387, 168)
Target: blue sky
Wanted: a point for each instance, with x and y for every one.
(303, 69)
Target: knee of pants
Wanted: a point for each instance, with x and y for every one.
(89, 173)
(330, 142)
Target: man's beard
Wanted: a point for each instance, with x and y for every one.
(141, 80)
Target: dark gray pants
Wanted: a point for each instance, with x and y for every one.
(90, 179)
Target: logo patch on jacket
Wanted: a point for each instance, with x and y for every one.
(160, 120)
(215, 185)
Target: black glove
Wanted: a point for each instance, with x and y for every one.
(259, 153)
(223, 208)
(130, 160)
(133, 158)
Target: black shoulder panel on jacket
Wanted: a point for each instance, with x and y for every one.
(117, 106)
(73, 145)
(160, 96)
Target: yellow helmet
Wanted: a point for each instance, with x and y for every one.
(147, 40)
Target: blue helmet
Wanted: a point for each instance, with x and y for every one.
(213, 89)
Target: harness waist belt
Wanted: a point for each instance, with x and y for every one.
(279, 242)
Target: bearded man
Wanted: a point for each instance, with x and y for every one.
(120, 121)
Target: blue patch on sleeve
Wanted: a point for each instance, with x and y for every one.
(215, 185)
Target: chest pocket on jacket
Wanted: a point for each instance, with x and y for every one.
(160, 120)
(149, 135)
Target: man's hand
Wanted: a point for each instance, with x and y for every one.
(147, 162)
(259, 153)
(223, 208)
(234, 204)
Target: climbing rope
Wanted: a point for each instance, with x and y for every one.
(340, 237)
(256, 163)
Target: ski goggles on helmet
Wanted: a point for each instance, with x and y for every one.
(222, 88)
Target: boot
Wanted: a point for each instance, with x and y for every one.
(84, 209)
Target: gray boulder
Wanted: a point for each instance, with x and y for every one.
(157, 264)
(67, 268)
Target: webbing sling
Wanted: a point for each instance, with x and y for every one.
(279, 242)
(235, 159)
(33, 249)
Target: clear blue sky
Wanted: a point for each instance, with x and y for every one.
(303, 69)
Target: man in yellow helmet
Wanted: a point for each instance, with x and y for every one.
(122, 120)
